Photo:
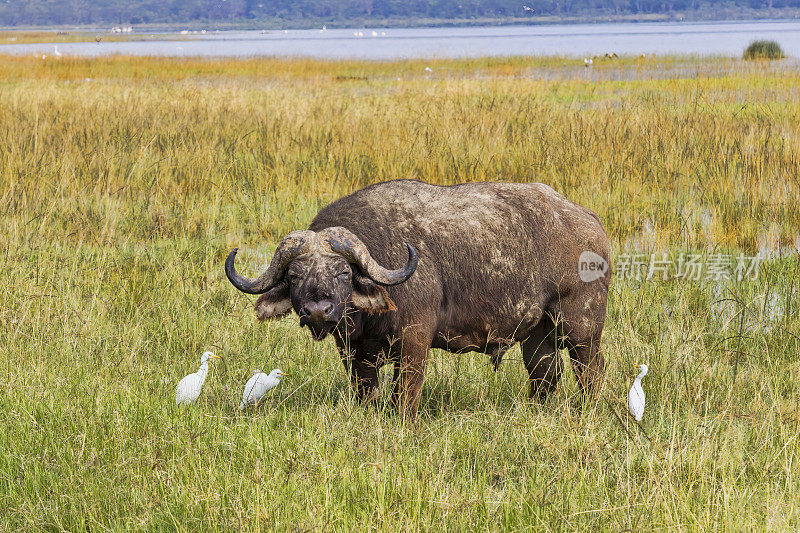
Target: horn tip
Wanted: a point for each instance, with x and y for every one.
(412, 252)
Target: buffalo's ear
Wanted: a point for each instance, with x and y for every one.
(274, 303)
(370, 297)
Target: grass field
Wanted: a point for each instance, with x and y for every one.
(124, 182)
(49, 36)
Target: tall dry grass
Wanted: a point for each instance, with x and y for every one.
(258, 132)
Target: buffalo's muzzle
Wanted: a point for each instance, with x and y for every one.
(317, 312)
(318, 316)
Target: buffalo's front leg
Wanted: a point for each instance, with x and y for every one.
(409, 374)
(361, 365)
(363, 377)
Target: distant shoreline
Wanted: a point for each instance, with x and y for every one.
(726, 39)
(729, 15)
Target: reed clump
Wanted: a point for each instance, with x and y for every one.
(763, 49)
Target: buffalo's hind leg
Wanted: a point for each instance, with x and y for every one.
(542, 359)
(582, 327)
(588, 364)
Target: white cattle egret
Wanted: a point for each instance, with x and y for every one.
(587, 62)
(190, 387)
(636, 395)
(56, 52)
(259, 385)
(428, 69)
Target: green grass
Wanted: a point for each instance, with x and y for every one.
(120, 197)
(763, 50)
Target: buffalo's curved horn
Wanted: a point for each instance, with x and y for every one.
(294, 244)
(344, 242)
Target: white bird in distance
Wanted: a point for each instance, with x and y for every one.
(259, 385)
(636, 395)
(190, 387)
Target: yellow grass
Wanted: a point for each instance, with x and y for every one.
(51, 36)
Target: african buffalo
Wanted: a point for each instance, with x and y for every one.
(485, 265)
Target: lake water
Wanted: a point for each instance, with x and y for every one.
(727, 38)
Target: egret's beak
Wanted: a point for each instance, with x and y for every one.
(224, 363)
(282, 374)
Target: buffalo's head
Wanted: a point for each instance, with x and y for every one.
(318, 274)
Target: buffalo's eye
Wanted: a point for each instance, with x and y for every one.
(343, 275)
